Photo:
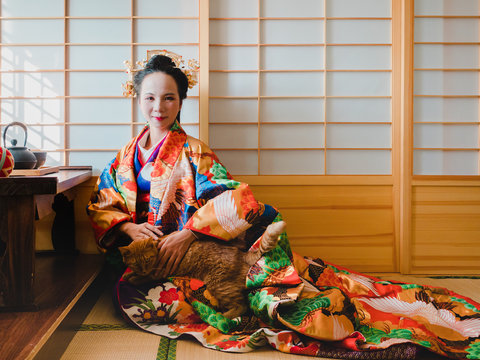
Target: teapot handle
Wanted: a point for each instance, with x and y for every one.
(22, 125)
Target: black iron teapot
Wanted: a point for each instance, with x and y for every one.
(24, 158)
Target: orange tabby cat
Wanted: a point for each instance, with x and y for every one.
(222, 266)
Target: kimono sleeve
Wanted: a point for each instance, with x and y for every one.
(226, 207)
(107, 207)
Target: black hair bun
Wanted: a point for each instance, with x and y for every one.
(158, 62)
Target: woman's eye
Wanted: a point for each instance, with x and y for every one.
(170, 98)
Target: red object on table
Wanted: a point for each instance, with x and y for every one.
(6, 162)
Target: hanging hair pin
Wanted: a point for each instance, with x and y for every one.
(192, 72)
(190, 69)
(128, 88)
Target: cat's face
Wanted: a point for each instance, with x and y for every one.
(140, 256)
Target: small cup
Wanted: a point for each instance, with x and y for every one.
(41, 158)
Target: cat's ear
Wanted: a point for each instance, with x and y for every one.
(151, 244)
(124, 251)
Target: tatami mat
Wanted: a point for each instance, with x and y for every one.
(105, 335)
(103, 311)
(112, 345)
(191, 350)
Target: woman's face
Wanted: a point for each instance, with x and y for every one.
(159, 100)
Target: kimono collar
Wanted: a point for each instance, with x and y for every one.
(169, 152)
(162, 167)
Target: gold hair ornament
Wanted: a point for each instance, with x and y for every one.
(190, 69)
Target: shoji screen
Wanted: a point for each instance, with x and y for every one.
(301, 87)
(63, 76)
(446, 90)
(445, 215)
(33, 79)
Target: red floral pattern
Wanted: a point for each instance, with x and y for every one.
(169, 296)
(196, 284)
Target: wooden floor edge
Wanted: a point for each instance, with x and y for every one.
(62, 316)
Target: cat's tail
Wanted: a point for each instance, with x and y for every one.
(268, 241)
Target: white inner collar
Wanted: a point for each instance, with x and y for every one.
(146, 153)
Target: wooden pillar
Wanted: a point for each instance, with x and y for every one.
(18, 239)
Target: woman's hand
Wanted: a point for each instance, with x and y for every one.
(172, 249)
(141, 231)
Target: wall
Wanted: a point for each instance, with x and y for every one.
(351, 225)
(446, 228)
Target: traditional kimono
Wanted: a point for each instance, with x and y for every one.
(298, 304)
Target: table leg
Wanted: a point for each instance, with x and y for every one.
(17, 235)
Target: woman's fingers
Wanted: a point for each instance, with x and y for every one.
(175, 265)
(152, 231)
(158, 272)
(171, 251)
(149, 233)
(141, 231)
(162, 259)
(168, 267)
(155, 229)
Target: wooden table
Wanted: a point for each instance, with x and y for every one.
(17, 231)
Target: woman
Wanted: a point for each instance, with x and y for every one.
(144, 201)
(165, 182)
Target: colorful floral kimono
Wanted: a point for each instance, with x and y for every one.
(298, 304)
